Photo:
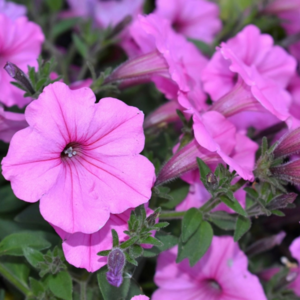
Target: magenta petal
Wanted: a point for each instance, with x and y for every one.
(33, 167)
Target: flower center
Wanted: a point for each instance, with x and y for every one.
(213, 288)
(70, 152)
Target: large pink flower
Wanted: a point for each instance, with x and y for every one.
(79, 158)
(106, 13)
(163, 56)
(295, 251)
(12, 10)
(254, 50)
(197, 19)
(81, 249)
(20, 43)
(221, 274)
(10, 123)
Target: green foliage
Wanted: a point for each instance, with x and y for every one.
(190, 223)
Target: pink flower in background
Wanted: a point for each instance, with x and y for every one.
(79, 158)
(140, 297)
(197, 19)
(243, 153)
(106, 13)
(10, 123)
(81, 249)
(161, 55)
(12, 10)
(253, 50)
(221, 274)
(295, 251)
(20, 43)
(216, 141)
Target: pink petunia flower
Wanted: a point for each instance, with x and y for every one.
(20, 43)
(161, 55)
(197, 19)
(10, 123)
(295, 251)
(79, 158)
(243, 153)
(105, 13)
(140, 297)
(221, 274)
(12, 10)
(216, 141)
(81, 249)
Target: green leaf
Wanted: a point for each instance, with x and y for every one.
(37, 287)
(204, 170)
(223, 219)
(110, 292)
(168, 241)
(253, 193)
(16, 242)
(104, 253)
(9, 202)
(203, 47)
(140, 213)
(136, 251)
(61, 285)
(242, 226)
(264, 145)
(152, 241)
(40, 84)
(115, 236)
(197, 245)
(235, 205)
(31, 74)
(18, 85)
(34, 257)
(54, 5)
(132, 220)
(63, 26)
(190, 222)
(278, 213)
(160, 225)
(129, 242)
(130, 259)
(80, 45)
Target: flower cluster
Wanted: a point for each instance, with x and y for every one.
(221, 99)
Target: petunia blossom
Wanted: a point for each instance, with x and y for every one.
(10, 123)
(221, 274)
(81, 249)
(140, 297)
(20, 43)
(197, 19)
(216, 141)
(295, 251)
(163, 56)
(12, 10)
(105, 13)
(79, 158)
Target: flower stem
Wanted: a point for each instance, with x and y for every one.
(171, 215)
(83, 290)
(9, 276)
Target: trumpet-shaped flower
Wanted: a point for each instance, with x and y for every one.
(106, 13)
(79, 158)
(12, 10)
(10, 123)
(221, 274)
(20, 43)
(161, 55)
(197, 19)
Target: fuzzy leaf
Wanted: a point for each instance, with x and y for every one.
(191, 221)
(236, 206)
(61, 285)
(242, 226)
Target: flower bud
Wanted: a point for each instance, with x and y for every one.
(14, 72)
(281, 201)
(288, 145)
(212, 181)
(265, 244)
(115, 264)
(289, 172)
(185, 160)
(162, 116)
(139, 70)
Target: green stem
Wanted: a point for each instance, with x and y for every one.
(238, 185)
(171, 215)
(9, 276)
(209, 205)
(83, 290)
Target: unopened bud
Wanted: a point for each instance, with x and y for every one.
(115, 264)
(289, 172)
(139, 70)
(288, 145)
(212, 181)
(152, 218)
(281, 201)
(16, 73)
(163, 115)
